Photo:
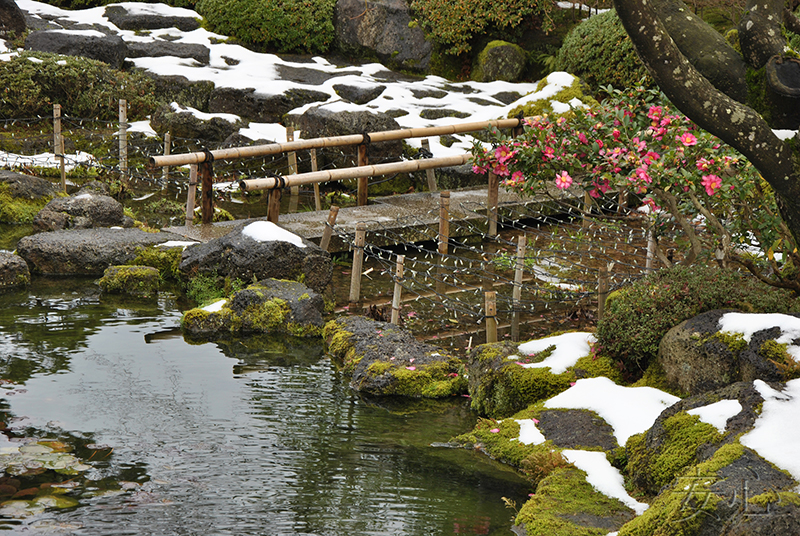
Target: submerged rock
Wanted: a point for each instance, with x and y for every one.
(269, 306)
(383, 359)
(13, 271)
(138, 281)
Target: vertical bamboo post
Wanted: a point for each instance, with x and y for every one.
(429, 173)
(123, 142)
(274, 204)
(328, 231)
(492, 197)
(292, 158)
(491, 316)
(651, 250)
(516, 294)
(602, 290)
(314, 167)
(358, 263)
(444, 222)
(167, 151)
(58, 144)
(206, 169)
(398, 288)
(190, 196)
(363, 184)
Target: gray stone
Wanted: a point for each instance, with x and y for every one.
(85, 251)
(106, 48)
(238, 256)
(358, 95)
(576, 429)
(695, 359)
(440, 113)
(507, 97)
(499, 60)
(13, 271)
(79, 212)
(124, 20)
(261, 108)
(12, 20)
(382, 28)
(184, 124)
(176, 88)
(158, 49)
(269, 306)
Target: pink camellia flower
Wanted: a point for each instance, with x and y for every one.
(517, 177)
(563, 180)
(616, 134)
(582, 138)
(712, 183)
(501, 170)
(478, 169)
(703, 164)
(688, 139)
(655, 113)
(548, 153)
(504, 153)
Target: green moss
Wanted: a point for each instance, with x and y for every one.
(435, 380)
(777, 354)
(734, 341)
(140, 281)
(542, 106)
(775, 497)
(513, 387)
(757, 92)
(19, 210)
(563, 493)
(165, 260)
(267, 316)
(195, 317)
(732, 37)
(300, 330)
(379, 367)
(502, 444)
(595, 366)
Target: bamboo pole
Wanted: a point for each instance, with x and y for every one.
(294, 199)
(398, 289)
(123, 143)
(190, 196)
(167, 150)
(429, 173)
(234, 153)
(58, 144)
(314, 168)
(328, 231)
(491, 316)
(491, 202)
(352, 173)
(516, 294)
(358, 263)
(444, 222)
(363, 184)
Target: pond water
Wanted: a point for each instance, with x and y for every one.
(250, 436)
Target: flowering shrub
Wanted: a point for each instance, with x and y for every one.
(636, 142)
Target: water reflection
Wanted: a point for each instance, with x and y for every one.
(246, 436)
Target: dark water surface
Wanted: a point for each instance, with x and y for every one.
(254, 436)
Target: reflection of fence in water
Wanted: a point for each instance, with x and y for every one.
(564, 266)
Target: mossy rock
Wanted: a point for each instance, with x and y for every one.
(14, 271)
(23, 196)
(499, 60)
(269, 306)
(138, 281)
(383, 359)
(533, 108)
(499, 387)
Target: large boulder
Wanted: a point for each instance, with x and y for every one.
(382, 28)
(499, 60)
(261, 108)
(86, 251)
(260, 250)
(13, 271)
(185, 122)
(81, 211)
(12, 20)
(383, 359)
(23, 196)
(697, 357)
(176, 88)
(92, 44)
(269, 306)
(142, 17)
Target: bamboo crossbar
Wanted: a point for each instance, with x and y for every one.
(234, 153)
(408, 166)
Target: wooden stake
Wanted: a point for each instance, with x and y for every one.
(274, 205)
(492, 197)
(429, 173)
(602, 289)
(123, 143)
(167, 149)
(294, 200)
(587, 208)
(363, 184)
(190, 195)
(314, 168)
(444, 222)
(398, 289)
(358, 263)
(58, 144)
(651, 250)
(516, 294)
(207, 186)
(328, 231)
(491, 316)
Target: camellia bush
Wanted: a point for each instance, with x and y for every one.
(634, 141)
